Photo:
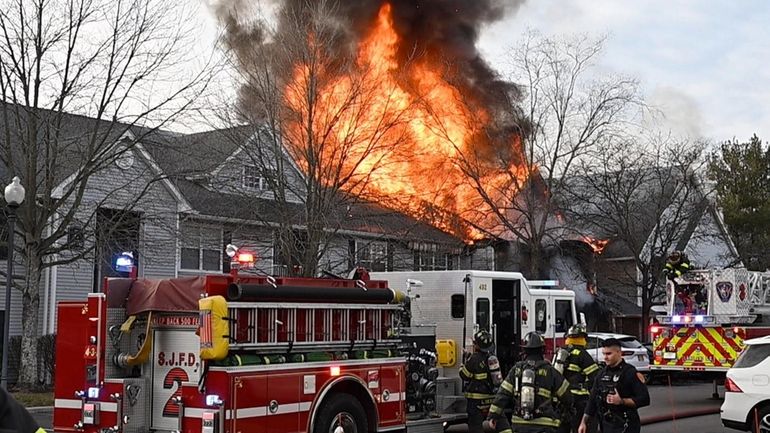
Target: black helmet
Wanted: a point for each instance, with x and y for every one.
(675, 256)
(483, 339)
(578, 330)
(533, 340)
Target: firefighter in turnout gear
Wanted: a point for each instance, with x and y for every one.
(580, 370)
(481, 377)
(676, 265)
(618, 392)
(530, 389)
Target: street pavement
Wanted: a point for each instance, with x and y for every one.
(678, 402)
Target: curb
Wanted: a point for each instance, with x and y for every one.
(671, 416)
(35, 409)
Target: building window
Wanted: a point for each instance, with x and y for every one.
(201, 248)
(75, 237)
(431, 261)
(372, 255)
(253, 178)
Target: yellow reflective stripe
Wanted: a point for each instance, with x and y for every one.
(507, 386)
(573, 367)
(478, 396)
(590, 369)
(576, 352)
(465, 371)
(480, 376)
(550, 422)
(40, 430)
(506, 431)
(544, 393)
(495, 409)
(580, 391)
(563, 388)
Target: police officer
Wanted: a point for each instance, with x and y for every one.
(580, 370)
(14, 418)
(481, 376)
(617, 394)
(530, 389)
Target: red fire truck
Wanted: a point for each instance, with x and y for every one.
(254, 353)
(708, 315)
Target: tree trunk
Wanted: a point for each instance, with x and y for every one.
(28, 377)
(535, 256)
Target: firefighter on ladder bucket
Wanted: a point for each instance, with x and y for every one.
(580, 370)
(481, 378)
(530, 388)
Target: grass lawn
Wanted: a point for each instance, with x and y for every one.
(32, 399)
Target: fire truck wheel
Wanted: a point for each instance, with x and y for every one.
(341, 410)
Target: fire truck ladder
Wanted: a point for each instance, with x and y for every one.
(306, 327)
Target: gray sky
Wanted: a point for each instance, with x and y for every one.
(703, 63)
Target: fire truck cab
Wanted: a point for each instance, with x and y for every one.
(505, 303)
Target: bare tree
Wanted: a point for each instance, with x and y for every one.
(111, 61)
(519, 174)
(645, 194)
(322, 122)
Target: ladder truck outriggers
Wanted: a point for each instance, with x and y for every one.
(708, 315)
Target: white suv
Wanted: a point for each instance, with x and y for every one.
(633, 351)
(747, 389)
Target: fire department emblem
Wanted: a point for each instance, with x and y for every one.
(725, 291)
(742, 292)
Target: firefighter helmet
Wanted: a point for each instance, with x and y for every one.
(675, 256)
(577, 331)
(483, 340)
(533, 340)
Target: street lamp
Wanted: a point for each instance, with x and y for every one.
(14, 196)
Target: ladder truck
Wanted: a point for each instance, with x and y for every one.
(708, 315)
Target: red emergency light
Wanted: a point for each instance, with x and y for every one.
(245, 258)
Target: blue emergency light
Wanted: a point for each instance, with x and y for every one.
(124, 262)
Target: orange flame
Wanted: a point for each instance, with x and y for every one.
(427, 161)
(597, 245)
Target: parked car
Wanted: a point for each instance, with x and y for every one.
(747, 389)
(633, 351)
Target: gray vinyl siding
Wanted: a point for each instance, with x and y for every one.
(230, 178)
(258, 240)
(116, 188)
(336, 256)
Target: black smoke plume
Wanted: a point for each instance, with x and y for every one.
(444, 31)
